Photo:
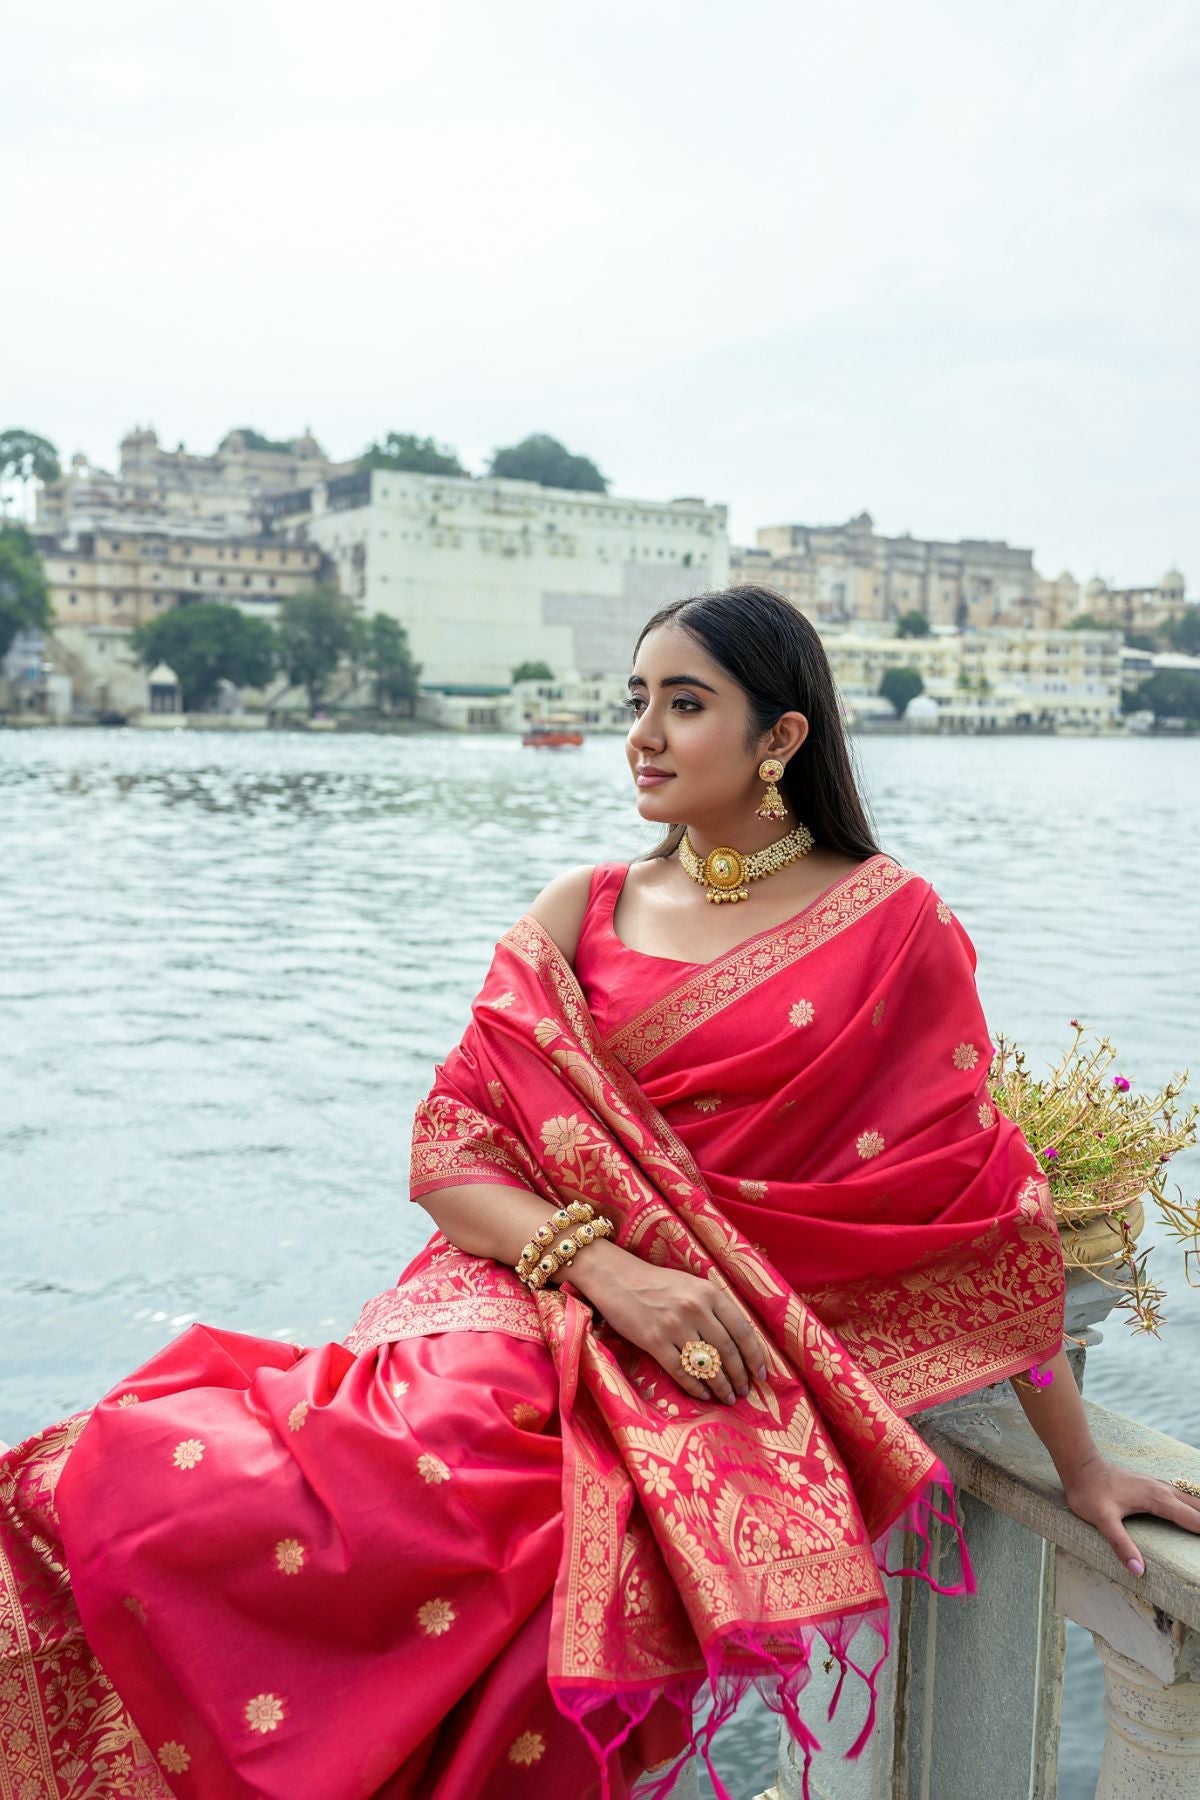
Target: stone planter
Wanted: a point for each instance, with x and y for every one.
(1094, 1249)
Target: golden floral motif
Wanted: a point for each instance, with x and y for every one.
(188, 1453)
(802, 1013)
(943, 912)
(656, 1477)
(752, 1190)
(133, 1605)
(529, 1748)
(174, 1758)
(965, 1056)
(128, 1400)
(869, 1144)
(700, 1470)
(707, 1103)
(523, 1414)
(502, 1002)
(545, 1032)
(877, 1014)
(399, 1389)
(564, 1135)
(298, 1415)
(264, 1713)
(435, 1617)
(986, 1115)
(496, 1093)
(289, 1556)
(432, 1469)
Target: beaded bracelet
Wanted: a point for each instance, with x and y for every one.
(577, 1212)
(566, 1250)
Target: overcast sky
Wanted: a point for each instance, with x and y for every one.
(935, 261)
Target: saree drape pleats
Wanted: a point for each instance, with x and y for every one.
(488, 1546)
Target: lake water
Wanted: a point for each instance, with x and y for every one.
(227, 965)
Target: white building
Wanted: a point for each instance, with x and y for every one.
(989, 680)
(487, 574)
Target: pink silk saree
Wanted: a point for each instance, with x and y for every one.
(488, 1546)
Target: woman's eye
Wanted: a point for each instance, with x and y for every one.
(633, 704)
(685, 704)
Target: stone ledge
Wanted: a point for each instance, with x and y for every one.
(991, 1451)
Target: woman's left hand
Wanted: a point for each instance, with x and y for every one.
(1104, 1494)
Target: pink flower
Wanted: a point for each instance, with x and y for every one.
(1041, 1378)
(1121, 1083)
(1076, 1024)
(1050, 1153)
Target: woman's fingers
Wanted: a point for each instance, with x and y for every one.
(742, 1330)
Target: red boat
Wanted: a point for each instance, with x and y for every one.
(557, 731)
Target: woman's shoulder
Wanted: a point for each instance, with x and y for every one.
(562, 905)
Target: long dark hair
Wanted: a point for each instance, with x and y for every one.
(774, 653)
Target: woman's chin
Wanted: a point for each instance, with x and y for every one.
(655, 806)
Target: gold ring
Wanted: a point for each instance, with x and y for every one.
(700, 1360)
(1185, 1486)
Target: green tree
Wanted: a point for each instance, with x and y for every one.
(316, 629)
(533, 671)
(543, 459)
(1182, 631)
(912, 625)
(389, 658)
(255, 440)
(25, 457)
(413, 455)
(899, 686)
(24, 594)
(1089, 622)
(207, 643)
(1138, 640)
(1172, 694)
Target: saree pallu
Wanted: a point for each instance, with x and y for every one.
(806, 1122)
(487, 1546)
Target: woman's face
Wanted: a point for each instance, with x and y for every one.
(688, 744)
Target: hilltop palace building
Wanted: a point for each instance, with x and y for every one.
(486, 574)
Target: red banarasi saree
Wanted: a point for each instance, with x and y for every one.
(486, 1546)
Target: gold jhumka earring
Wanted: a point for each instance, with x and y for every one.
(771, 806)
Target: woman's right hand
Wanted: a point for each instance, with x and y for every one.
(660, 1310)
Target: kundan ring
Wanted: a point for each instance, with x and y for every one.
(1185, 1486)
(701, 1360)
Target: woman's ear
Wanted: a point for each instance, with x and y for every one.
(786, 735)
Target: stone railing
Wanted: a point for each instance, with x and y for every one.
(969, 1704)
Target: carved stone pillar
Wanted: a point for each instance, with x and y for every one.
(1152, 1748)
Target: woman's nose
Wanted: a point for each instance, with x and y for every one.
(644, 734)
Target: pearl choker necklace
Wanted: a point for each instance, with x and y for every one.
(725, 872)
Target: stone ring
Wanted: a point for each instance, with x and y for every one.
(1185, 1486)
(700, 1360)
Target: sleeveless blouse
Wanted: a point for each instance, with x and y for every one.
(618, 981)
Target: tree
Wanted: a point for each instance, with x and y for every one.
(24, 594)
(205, 644)
(1182, 631)
(900, 686)
(254, 440)
(413, 455)
(543, 459)
(390, 661)
(1172, 694)
(912, 625)
(316, 629)
(25, 457)
(1088, 622)
(533, 671)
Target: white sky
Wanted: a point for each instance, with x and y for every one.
(936, 261)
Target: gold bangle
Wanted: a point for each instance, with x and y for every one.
(565, 1251)
(577, 1212)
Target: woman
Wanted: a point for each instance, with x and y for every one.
(721, 1200)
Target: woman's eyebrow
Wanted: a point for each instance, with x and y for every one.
(674, 681)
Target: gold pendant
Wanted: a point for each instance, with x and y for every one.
(725, 875)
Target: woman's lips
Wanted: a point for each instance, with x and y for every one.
(650, 778)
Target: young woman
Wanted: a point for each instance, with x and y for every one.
(721, 1200)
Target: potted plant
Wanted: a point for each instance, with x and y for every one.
(1104, 1147)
